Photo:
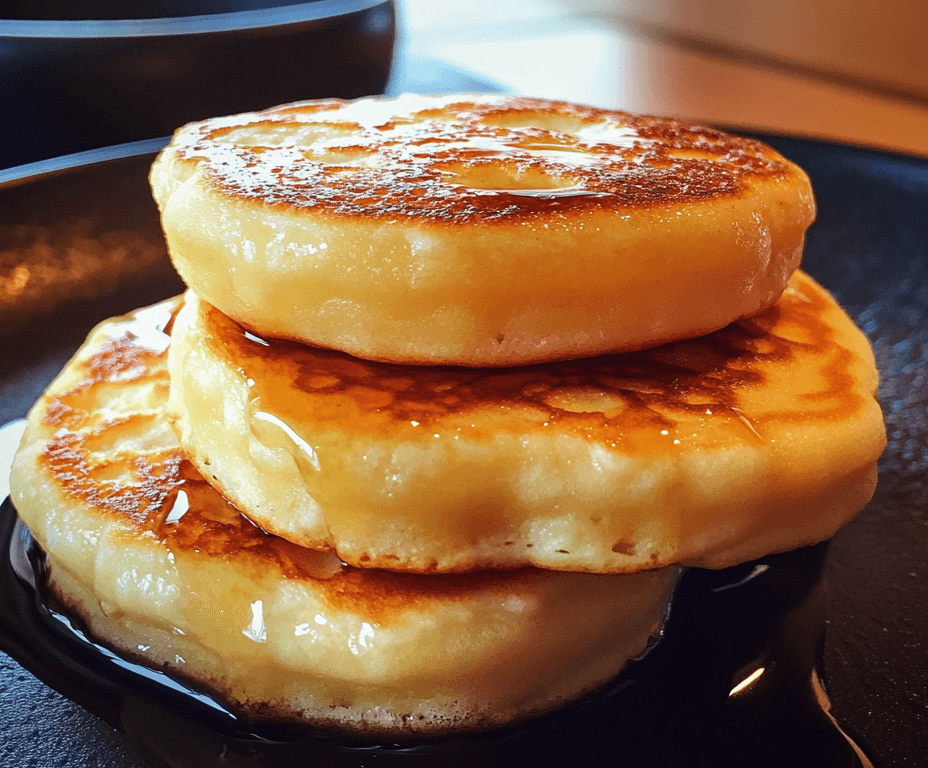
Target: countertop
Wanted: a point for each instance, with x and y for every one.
(824, 70)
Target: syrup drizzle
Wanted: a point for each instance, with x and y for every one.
(723, 623)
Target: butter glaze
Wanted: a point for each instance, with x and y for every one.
(467, 160)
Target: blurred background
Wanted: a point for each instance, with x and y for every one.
(840, 69)
(80, 75)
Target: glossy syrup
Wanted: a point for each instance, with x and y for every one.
(732, 682)
(482, 159)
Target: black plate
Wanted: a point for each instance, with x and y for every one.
(80, 75)
(83, 243)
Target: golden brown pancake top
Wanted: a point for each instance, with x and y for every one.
(633, 401)
(475, 160)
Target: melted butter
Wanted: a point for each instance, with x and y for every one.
(619, 160)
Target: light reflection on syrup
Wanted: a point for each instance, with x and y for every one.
(546, 194)
(273, 432)
(747, 682)
(256, 629)
(148, 327)
(823, 701)
(179, 507)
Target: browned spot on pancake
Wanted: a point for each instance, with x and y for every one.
(632, 400)
(77, 471)
(383, 595)
(82, 453)
(432, 165)
(624, 547)
(121, 359)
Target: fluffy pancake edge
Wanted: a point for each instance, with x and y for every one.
(548, 496)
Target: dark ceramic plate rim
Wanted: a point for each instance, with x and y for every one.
(184, 25)
(30, 172)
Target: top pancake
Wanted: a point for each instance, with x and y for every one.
(480, 230)
(760, 437)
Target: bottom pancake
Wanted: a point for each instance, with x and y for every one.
(161, 568)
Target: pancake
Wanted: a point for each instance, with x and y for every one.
(760, 437)
(478, 230)
(162, 569)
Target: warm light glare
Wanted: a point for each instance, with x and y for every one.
(13, 286)
(749, 680)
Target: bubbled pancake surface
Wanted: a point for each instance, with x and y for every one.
(760, 437)
(481, 230)
(161, 568)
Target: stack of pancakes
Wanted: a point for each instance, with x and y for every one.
(459, 385)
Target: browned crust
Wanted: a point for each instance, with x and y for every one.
(211, 527)
(426, 158)
(647, 389)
